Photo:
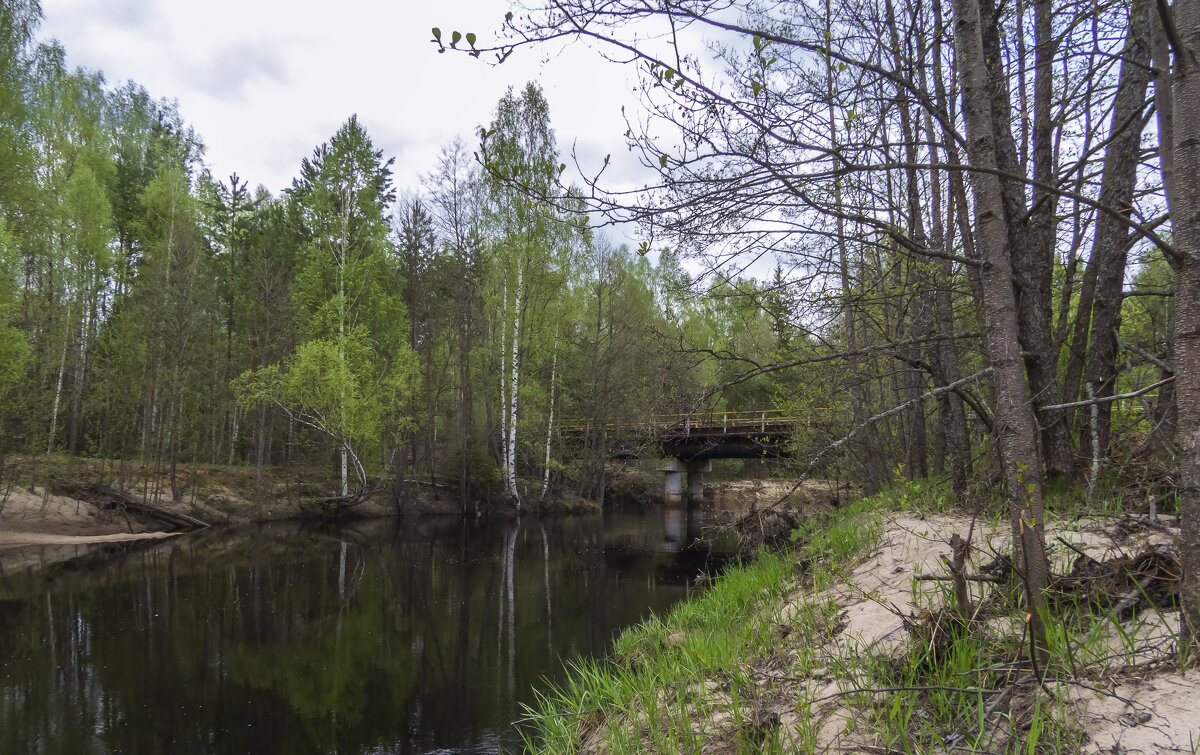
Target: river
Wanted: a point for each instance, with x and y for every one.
(374, 638)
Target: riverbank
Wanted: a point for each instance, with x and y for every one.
(71, 497)
(840, 646)
(41, 500)
(42, 524)
(41, 494)
(57, 510)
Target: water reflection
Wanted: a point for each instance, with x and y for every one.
(282, 639)
(673, 527)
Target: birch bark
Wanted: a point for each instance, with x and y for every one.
(550, 418)
(511, 471)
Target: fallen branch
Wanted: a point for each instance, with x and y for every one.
(911, 688)
(951, 578)
(1073, 547)
(1128, 599)
(105, 497)
(1156, 361)
(960, 736)
(414, 481)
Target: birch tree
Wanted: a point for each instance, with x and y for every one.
(347, 295)
(529, 249)
(174, 287)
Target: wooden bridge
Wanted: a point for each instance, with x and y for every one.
(698, 437)
(689, 442)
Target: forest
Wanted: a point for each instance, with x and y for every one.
(963, 240)
(154, 312)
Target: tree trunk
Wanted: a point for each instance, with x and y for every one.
(148, 408)
(919, 323)
(952, 421)
(502, 323)
(173, 450)
(1187, 351)
(58, 385)
(1016, 426)
(1112, 236)
(510, 444)
(1031, 266)
(873, 471)
(260, 454)
(550, 418)
(466, 409)
(87, 329)
(1166, 414)
(1185, 217)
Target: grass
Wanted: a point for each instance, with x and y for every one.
(672, 683)
(719, 666)
(830, 543)
(651, 679)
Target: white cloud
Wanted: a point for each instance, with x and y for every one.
(265, 81)
(131, 14)
(229, 72)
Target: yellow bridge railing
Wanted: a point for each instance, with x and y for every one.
(685, 424)
(746, 420)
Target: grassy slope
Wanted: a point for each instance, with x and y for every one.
(765, 659)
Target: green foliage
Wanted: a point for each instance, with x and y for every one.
(138, 289)
(331, 386)
(332, 379)
(652, 675)
(351, 376)
(341, 197)
(88, 215)
(14, 349)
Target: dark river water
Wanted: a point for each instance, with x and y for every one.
(283, 639)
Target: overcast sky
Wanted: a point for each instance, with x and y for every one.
(264, 81)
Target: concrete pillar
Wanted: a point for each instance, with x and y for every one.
(695, 473)
(672, 470)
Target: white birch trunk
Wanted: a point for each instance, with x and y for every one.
(341, 263)
(345, 473)
(62, 364)
(511, 472)
(504, 369)
(550, 419)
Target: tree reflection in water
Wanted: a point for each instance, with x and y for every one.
(285, 639)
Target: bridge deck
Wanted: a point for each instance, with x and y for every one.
(716, 435)
(689, 424)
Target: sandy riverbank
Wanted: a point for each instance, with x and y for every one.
(23, 539)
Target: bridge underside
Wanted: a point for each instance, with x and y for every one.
(688, 448)
(693, 454)
(726, 446)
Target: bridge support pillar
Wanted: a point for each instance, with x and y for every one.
(672, 470)
(695, 480)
